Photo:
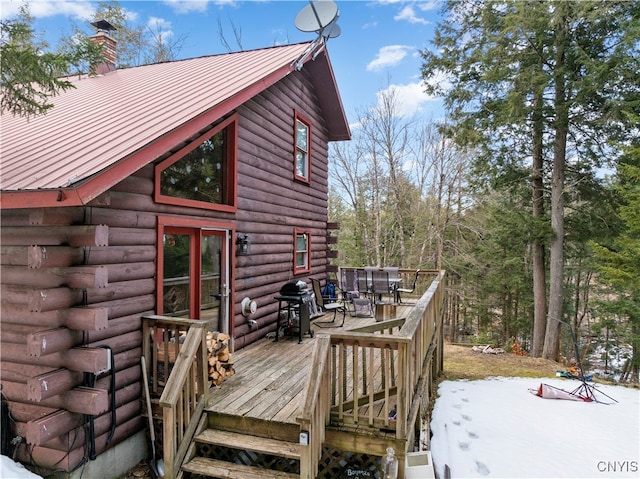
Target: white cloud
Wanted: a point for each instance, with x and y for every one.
(39, 9)
(409, 14)
(79, 9)
(159, 23)
(388, 56)
(130, 15)
(160, 27)
(410, 98)
(430, 6)
(187, 6)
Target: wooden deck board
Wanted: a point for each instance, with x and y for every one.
(270, 376)
(287, 393)
(243, 380)
(207, 467)
(271, 388)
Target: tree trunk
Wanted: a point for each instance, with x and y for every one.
(377, 208)
(537, 246)
(556, 250)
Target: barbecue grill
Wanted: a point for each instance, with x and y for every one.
(293, 301)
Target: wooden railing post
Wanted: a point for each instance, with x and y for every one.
(185, 389)
(315, 411)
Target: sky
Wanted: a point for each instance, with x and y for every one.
(378, 48)
(495, 428)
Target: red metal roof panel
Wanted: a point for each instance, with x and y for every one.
(107, 118)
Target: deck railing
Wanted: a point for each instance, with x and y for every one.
(178, 351)
(315, 410)
(423, 330)
(374, 375)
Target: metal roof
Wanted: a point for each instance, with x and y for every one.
(106, 119)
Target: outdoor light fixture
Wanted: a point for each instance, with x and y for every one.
(242, 240)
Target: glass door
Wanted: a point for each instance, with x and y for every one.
(176, 284)
(196, 274)
(213, 280)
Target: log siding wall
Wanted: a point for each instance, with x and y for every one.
(77, 279)
(79, 283)
(271, 204)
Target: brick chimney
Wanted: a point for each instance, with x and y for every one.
(108, 43)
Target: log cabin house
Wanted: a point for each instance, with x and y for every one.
(192, 188)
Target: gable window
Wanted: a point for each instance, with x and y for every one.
(302, 247)
(302, 160)
(203, 173)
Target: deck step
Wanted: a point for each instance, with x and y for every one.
(228, 470)
(264, 445)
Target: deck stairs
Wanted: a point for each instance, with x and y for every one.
(271, 451)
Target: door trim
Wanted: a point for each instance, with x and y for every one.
(204, 225)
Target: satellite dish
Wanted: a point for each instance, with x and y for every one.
(316, 16)
(332, 30)
(320, 17)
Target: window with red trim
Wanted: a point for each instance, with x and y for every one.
(203, 173)
(302, 159)
(302, 251)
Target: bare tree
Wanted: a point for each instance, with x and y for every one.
(163, 46)
(440, 172)
(350, 177)
(387, 134)
(237, 35)
(137, 44)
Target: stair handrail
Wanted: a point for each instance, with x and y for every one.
(315, 412)
(183, 397)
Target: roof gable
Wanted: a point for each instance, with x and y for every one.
(106, 120)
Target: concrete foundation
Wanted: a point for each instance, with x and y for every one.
(113, 463)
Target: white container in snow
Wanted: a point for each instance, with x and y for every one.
(418, 465)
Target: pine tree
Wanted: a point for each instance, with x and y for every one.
(619, 260)
(538, 83)
(30, 75)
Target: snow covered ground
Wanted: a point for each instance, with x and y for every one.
(14, 470)
(497, 428)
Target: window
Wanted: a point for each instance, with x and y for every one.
(203, 173)
(302, 160)
(302, 246)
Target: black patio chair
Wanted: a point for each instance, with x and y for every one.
(326, 304)
(408, 290)
(365, 280)
(394, 281)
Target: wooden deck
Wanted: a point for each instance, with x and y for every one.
(308, 409)
(271, 376)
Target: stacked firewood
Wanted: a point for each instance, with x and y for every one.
(219, 357)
